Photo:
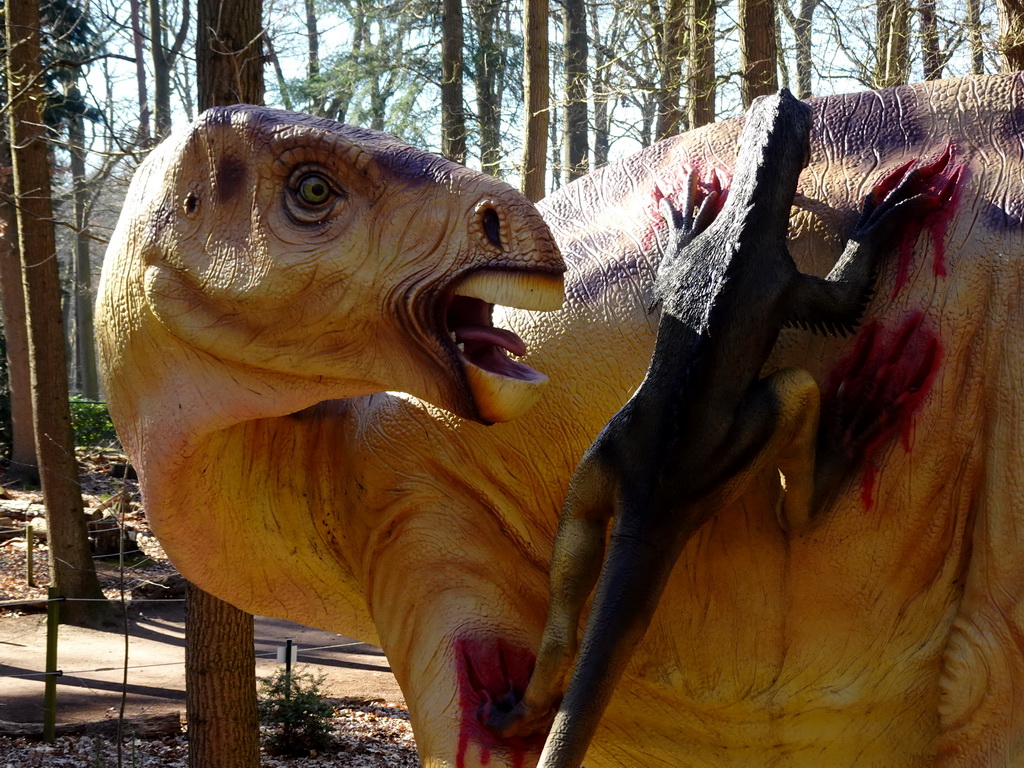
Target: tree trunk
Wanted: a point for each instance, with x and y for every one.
(342, 99)
(758, 50)
(312, 43)
(974, 36)
(318, 96)
(71, 568)
(930, 55)
(220, 664)
(536, 96)
(671, 49)
(135, 12)
(453, 117)
(485, 73)
(23, 467)
(229, 52)
(702, 63)
(1011, 34)
(220, 679)
(161, 72)
(892, 63)
(577, 122)
(282, 84)
(163, 60)
(84, 346)
(803, 26)
(555, 146)
(378, 104)
(602, 93)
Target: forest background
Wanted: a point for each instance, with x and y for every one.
(537, 93)
(451, 77)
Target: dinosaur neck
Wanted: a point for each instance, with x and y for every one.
(233, 453)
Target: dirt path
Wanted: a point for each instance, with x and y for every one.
(93, 665)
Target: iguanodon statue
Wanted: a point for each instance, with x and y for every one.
(275, 280)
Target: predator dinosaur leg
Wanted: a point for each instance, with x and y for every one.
(791, 397)
(575, 565)
(776, 429)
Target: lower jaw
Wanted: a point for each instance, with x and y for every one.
(500, 398)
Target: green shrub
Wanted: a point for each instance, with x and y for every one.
(91, 423)
(296, 715)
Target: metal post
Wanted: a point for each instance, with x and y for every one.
(29, 555)
(288, 668)
(50, 691)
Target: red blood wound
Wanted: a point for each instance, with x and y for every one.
(940, 180)
(491, 673)
(874, 392)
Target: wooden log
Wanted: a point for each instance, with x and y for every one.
(145, 727)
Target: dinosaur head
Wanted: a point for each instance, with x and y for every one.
(286, 245)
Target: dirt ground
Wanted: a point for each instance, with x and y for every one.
(370, 724)
(93, 665)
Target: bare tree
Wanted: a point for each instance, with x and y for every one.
(71, 568)
(81, 264)
(22, 467)
(135, 15)
(220, 668)
(487, 67)
(313, 58)
(758, 49)
(453, 118)
(892, 35)
(974, 36)
(164, 59)
(931, 56)
(802, 24)
(537, 98)
(601, 87)
(1011, 34)
(702, 63)
(577, 124)
(671, 32)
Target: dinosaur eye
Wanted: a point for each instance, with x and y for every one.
(314, 190)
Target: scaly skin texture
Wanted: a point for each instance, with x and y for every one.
(268, 262)
(885, 634)
(704, 421)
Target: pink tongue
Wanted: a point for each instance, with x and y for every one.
(489, 335)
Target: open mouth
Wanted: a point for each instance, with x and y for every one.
(502, 387)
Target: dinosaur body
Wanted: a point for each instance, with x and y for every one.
(703, 420)
(880, 635)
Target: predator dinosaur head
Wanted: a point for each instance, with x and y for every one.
(774, 146)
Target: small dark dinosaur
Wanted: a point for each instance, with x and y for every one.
(704, 420)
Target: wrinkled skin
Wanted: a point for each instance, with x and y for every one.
(705, 419)
(884, 634)
(267, 262)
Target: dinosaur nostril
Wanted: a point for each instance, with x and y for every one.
(492, 226)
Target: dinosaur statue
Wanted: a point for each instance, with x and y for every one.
(881, 632)
(703, 420)
(269, 262)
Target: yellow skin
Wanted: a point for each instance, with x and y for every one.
(875, 636)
